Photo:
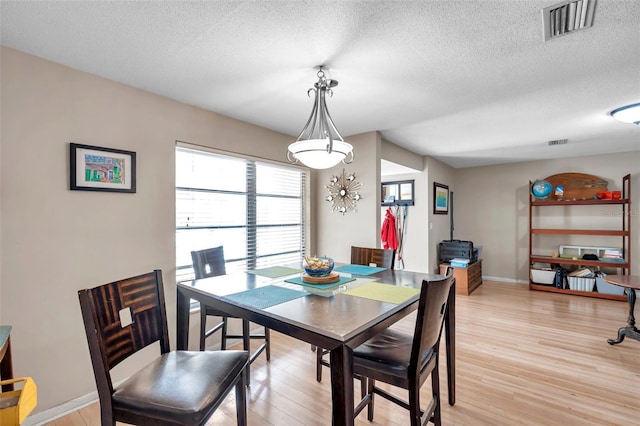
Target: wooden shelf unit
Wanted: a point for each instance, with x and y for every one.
(624, 232)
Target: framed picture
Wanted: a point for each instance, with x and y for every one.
(440, 198)
(397, 193)
(102, 169)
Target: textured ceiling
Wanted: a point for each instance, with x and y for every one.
(467, 82)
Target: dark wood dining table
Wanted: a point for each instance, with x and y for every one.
(331, 320)
(631, 283)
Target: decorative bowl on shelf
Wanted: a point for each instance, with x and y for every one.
(318, 266)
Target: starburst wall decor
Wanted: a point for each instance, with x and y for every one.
(343, 192)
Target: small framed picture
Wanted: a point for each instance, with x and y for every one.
(94, 168)
(440, 198)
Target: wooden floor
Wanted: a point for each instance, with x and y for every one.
(523, 357)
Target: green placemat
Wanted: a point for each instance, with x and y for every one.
(264, 297)
(383, 292)
(298, 280)
(274, 271)
(359, 269)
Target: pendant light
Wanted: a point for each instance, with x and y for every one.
(627, 114)
(320, 145)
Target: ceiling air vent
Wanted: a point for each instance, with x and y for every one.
(566, 17)
(558, 142)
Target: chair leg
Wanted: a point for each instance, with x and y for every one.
(246, 345)
(223, 336)
(267, 340)
(370, 385)
(241, 400)
(319, 351)
(435, 394)
(414, 405)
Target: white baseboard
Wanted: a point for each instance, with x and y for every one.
(61, 410)
(504, 280)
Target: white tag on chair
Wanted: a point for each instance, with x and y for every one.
(373, 265)
(125, 317)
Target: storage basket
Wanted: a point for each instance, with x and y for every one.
(581, 283)
(542, 276)
(16, 405)
(607, 288)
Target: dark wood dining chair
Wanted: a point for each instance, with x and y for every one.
(406, 361)
(176, 388)
(211, 263)
(383, 258)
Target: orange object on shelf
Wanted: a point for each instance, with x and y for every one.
(616, 195)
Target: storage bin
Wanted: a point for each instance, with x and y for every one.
(605, 287)
(543, 276)
(581, 283)
(16, 405)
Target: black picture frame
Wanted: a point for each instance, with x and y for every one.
(440, 198)
(397, 193)
(94, 168)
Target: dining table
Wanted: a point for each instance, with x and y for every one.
(337, 317)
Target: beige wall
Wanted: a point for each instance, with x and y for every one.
(439, 224)
(336, 233)
(55, 241)
(491, 208)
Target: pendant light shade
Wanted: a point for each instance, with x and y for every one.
(627, 114)
(319, 144)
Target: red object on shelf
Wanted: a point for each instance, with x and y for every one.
(616, 195)
(605, 195)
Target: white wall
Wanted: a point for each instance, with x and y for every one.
(491, 207)
(55, 241)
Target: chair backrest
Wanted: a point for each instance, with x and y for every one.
(432, 307)
(121, 318)
(208, 262)
(383, 258)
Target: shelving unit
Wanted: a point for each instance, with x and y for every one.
(624, 233)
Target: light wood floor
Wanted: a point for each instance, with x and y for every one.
(523, 357)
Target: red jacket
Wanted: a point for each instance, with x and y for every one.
(388, 231)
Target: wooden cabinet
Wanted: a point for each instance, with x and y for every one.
(467, 279)
(618, 235)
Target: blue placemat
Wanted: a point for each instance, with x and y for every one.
(264, 297)
(298, 280)
(359, 269)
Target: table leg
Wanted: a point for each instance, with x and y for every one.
(182, 321)
(342, 386)
(630, 329)
(450, 340)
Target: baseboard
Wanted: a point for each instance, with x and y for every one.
(61, 410)
(504, 280)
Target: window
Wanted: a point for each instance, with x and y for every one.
(255, 209)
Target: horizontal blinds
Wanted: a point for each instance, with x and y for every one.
(254, 209)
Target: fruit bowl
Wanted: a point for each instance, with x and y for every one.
(318, 266)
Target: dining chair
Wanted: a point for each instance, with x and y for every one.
(211, 263)
(383, 258)
(177, 387)
(406, 361)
